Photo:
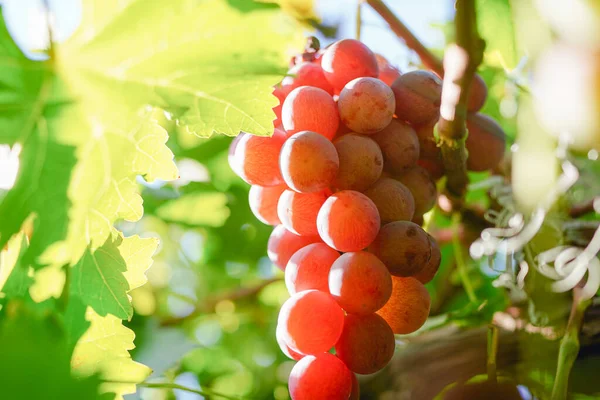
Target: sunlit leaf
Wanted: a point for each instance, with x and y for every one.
(196, 209)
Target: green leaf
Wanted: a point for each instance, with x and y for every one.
(196, 209)
(85, 118)
(494, 21)
(103, 277)
(36, 358)
(103, 349)
(14, 277)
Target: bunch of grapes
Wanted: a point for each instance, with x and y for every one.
(345, 179)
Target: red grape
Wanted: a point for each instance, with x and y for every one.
(422, 187)
(355, 395)
(298, 211)
(311, 322)
(399, 145)
(307, 74)
(477, 94)
(346, 60)
(283, 244)
(256, 158)
(367, 343)
(309, 162)
(432, 266)
(310, 109)
(320, 377)
(309, 268)
(348, 221)
(361, 162)
(233, 164)
(403, 246)
(263, 203)
(366, 105)
(408, 307)
(418, 96)
(485, 143)
(285, 349)
(393, 200)
(387, 72)
(360, 283)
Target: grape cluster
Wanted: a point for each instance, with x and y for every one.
(346, 178)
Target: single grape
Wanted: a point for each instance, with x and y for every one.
(387, 72)
(309, 268)
(346, 60)
(366, 105)
(399, 145)
(311, 322)
(320, 377)
(283, 346)
(256, 158)
(307, 74)
(348, 221)
(418, 96)
(403, 246)
(361, 162)
(298, 211)
(427, 143)
(283, 244)
(477, 94)
(435, 167)
(393, 200)
(310, 109)
(367, 343)
(408, 307)
(263, 203)
(360, 283)
(432, 266)
(309, 162)
(485, 143)
(422, 187)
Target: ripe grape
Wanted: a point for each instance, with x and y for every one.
(283, 346)
(408, 307)
(348, 221)
(477, 94)
(485, 143)
(256, 158)
(309, 268)
(434, 166)
(403, 246)
(298, 211)
(280, 94)
(263, 203)
(308, 162)
(393, 200)
(361, 162)
(399, 145)
(320, 377)
(360, 283)
(418, 96)
(432, 266)
(367, 343)
(311, 322)
(307, 74)
(310, 109)
(233, 164)
(283, 244)
(422, 187)
(346, 60)
(366, 105)
(387, 72)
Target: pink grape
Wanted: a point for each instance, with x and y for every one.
(346, 60)
(310, 109)
(309, 268)
(320, 377)
(366, 105)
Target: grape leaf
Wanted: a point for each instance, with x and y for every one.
(196, 209)
(101, 346)
(103, 277)
(83, 117)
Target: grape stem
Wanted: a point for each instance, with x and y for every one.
(460, 63)
(492, 352)
(402, 31)
(569, 345)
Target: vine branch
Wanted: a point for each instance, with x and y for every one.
(460, 63)
(402, 31)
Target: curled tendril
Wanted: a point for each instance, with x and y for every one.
(567, 265)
